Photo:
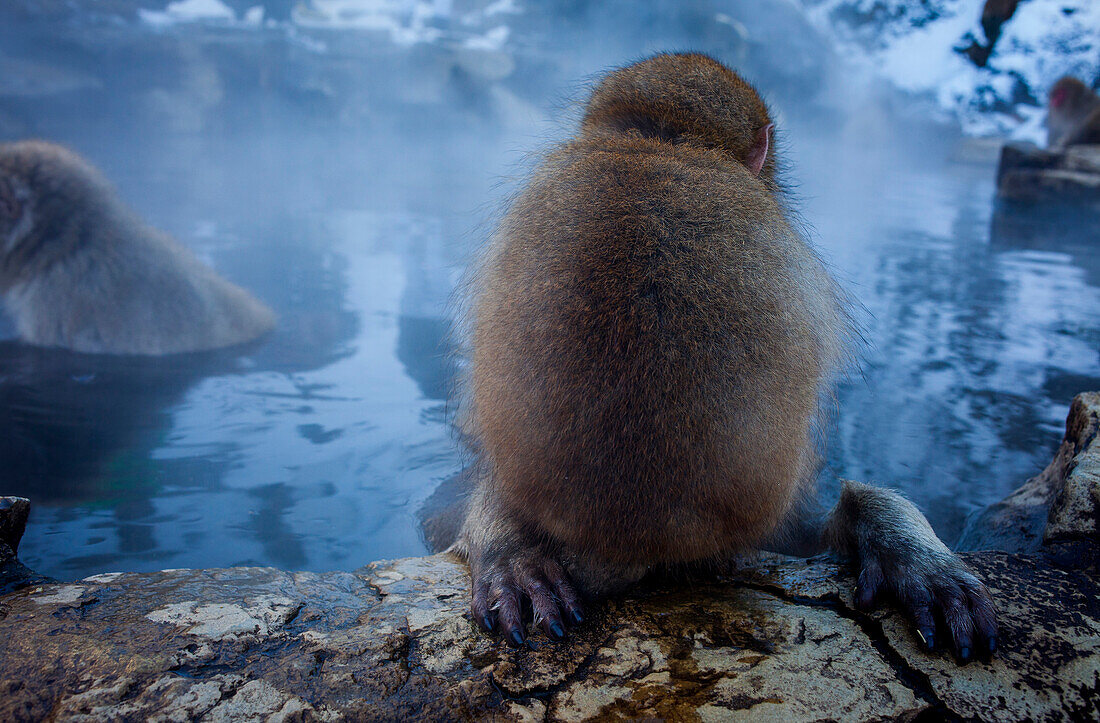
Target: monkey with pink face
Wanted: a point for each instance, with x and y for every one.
(1073, 114)
(79, 270)
(651, 342)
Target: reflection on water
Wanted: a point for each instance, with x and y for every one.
(348, 188)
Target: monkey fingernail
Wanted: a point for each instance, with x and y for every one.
(577, 617)
(991, 645)
(487, 623)
(964, 654)
(927, 637)
(515, 638)
(557, 632)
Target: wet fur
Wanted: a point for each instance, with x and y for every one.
(79, 270)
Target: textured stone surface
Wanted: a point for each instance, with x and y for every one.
(13, 521)
(779, 640)
(1075, 511)
(1024, 520)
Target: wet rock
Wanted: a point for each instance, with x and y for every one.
(1075, 512)
(781, 640)
(778, 639)
(1031, 174)
(1019, 523)
(13, 521)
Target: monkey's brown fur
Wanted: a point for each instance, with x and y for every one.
(79, 270)
(1073, 114)
(637, 335)
(650, 344)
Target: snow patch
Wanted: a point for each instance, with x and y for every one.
(188, 11)
(917, 48)
(492, 40)
(405, 22)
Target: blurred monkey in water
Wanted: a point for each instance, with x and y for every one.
(1073, 114)
(79, 270)
(651, 338)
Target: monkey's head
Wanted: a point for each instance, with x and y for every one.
(685, 98)
(46, 193)
(1070, 97)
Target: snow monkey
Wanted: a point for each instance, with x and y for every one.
(1073, 114)
(651, 337)
(79, 270)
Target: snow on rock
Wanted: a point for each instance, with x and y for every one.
(408, 22)
(188, 11)
(916, 46)
(405, 22)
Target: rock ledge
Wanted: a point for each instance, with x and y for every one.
(780, 640)
(1031, 174)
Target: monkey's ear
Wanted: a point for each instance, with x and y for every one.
(759, 151)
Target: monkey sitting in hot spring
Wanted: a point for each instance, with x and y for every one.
(79, 270)
(651, 339)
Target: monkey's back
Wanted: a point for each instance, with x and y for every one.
(133, 290)
(85, 273)
(649, 346)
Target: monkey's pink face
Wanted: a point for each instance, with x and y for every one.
(1058, 97)
(15, 212)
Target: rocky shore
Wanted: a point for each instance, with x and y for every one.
(1029, 174)
(779, 640)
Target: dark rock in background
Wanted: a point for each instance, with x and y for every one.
(13, 521)
(1029, 174)
(1026, 520)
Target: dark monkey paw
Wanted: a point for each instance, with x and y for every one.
(501, 587)
(945, 600)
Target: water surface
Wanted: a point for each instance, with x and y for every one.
(347, 181)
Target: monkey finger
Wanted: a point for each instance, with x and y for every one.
(868, 585)
(509, 609)
(917, 602)
(544, 605)
(479, 605)
(984, 617)
(563, 588)
(953, 606)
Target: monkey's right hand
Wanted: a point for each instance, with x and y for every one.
(502, 582)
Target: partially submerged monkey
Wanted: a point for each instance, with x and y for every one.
(651, 338)
(1073, 114)
(79, 270)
